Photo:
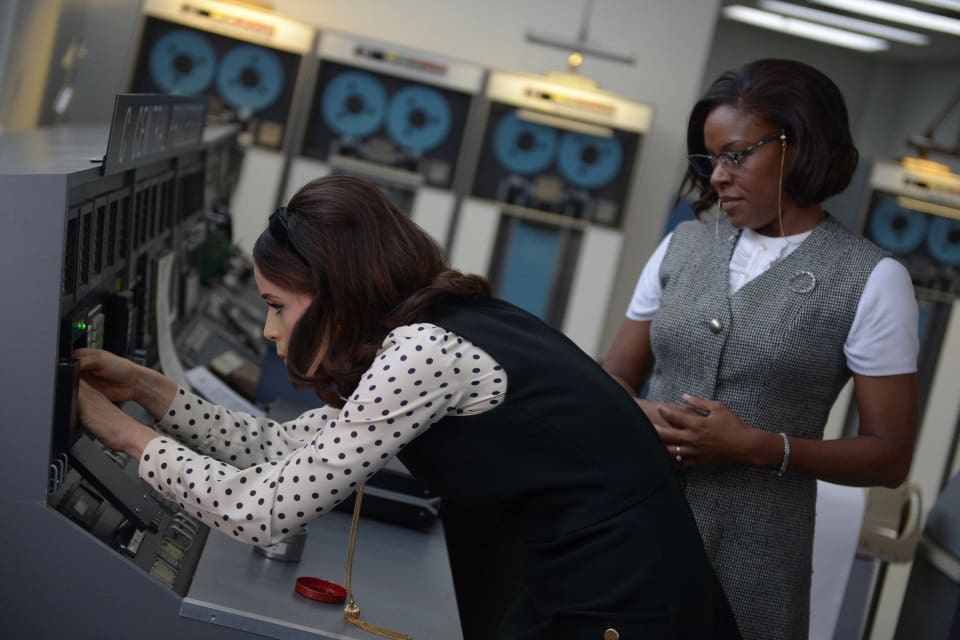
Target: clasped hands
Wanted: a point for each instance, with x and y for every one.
(701, 432)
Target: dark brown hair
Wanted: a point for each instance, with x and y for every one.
(797, 98)
(368, 269)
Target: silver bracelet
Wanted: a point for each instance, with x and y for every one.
(786, 454)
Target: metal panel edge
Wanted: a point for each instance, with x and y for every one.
(611, 110)
(286, 34)
(460, 75)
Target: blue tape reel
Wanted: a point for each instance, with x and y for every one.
(523, 147)
(419, 118)
(943, 240)
(587, 161)
(897, 229)
(183, 62)
(250, 77)
(354, 104)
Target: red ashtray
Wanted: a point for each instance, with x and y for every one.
(322, 590)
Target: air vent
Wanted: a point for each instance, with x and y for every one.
(99, 237)
(123, 233)
(86, 242)
(112, 224)
(70, 254)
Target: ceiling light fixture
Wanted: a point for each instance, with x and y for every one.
(804, 29)
(952, 5)
(896, 13)
(854, 24)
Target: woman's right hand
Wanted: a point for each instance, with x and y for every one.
(111, 426)
(113, 376)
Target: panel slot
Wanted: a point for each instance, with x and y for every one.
(123, 234)
(99, 237)
(112, 223)
(86, 240)
(68, 285)
(152, 212)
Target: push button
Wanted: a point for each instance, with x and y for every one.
(716, 326)
(611, 634)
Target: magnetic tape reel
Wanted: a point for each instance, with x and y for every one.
(354, 104)
(523, 147)
(250, 78)
(897, 229)
(419, 118)
(943, 241)
(587, 161)
(183, 61)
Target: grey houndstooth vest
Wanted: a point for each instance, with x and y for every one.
(773, 353)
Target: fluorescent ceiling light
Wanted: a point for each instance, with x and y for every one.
(804, 29)
(953, 5)
(896, 13)
(837, 20)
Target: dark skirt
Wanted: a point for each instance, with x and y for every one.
(636, 575)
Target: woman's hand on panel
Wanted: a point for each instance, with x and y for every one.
(121, 380)
(111, 375)
(108, 424)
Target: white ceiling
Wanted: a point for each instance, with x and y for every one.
(943, 47)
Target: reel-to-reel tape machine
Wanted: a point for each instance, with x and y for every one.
(249, 63)
(543, 165)
(229, 54)
(393, 115)
(916, 216)
(388, 122)
(549, 195)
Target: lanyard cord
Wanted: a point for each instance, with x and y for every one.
(352, 612)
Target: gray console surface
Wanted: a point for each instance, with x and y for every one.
(401, 581)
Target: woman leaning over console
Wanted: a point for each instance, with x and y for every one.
(482, 401)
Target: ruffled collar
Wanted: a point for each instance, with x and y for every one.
(756, 253)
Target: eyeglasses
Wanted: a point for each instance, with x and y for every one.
(705, 163)
(281, 233)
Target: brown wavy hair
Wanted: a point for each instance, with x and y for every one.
(795, 97)
(368, 269)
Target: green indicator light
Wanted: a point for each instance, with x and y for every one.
(80, 326)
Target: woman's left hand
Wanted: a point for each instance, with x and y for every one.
(705, 432)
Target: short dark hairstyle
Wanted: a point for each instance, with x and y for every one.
(797, 98)
(369, 269)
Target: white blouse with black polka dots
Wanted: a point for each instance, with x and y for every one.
(261, 480)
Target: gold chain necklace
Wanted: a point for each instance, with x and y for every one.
(352, 612)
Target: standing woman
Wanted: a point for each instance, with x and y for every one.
(747, 323)
(485, 403)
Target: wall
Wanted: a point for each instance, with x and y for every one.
(23, 79)
(108, 30)
(8, 20)
(923, 95)
(34, 36)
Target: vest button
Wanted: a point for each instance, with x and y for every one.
(611, 634)
(716, 326)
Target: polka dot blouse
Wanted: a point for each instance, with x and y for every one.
(261, 480)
